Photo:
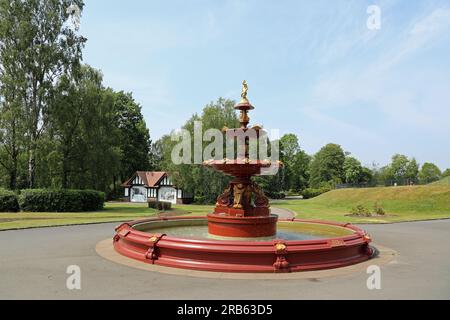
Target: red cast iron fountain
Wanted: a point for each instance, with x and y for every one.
(241, 232)
(236, 215)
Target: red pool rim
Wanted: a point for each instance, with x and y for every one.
(276, 255)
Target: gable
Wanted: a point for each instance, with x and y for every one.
(148, 179)
(165, 181)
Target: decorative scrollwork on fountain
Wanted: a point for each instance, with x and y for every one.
(242, 196)
(260, 198)
(224, 200)
(239, 196)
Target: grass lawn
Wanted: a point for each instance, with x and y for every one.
(113, 212)
(400, 203)
(443, 182)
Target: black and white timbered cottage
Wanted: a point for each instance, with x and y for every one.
(146, 186)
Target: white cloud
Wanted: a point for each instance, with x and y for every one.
(352, 131)
(433, 23)
(413, 102)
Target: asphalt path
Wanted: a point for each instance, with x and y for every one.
(34, 262)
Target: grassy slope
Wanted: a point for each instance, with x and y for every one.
(113, 212)
(400, 203)
(443, 182)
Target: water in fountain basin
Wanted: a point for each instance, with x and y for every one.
(286, 230)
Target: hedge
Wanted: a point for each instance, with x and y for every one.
(8, 201)
(160, 205)
(275, 195)
(44, 200)
(312, 193)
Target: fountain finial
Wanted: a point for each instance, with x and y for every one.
(244, 92)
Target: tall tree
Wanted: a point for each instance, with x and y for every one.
(352, 170)
(135, 140)
(446, 173)
(412, 172)
(397, 168)
(36, 48)
(204, 183)
(429, 173)
(327, 166)
(11, 135)
(77, 94)
(295, 173)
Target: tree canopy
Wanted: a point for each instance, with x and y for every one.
(59, 126)
(327, 166)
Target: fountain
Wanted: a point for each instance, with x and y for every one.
(236, 215)
(241, 234)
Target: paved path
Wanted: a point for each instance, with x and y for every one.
(282, 213)
(33, 265)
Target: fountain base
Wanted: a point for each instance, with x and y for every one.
(234, 226)
(144, 240)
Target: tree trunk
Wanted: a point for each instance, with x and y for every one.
(31, 170)
(65, 170)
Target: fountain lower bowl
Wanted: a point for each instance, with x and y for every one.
(224, 225)
(324, 245)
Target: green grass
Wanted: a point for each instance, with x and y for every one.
(400, 203)
(113, 212)
(443, 182)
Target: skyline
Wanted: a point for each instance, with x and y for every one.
(377, 92)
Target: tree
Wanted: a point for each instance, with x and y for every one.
(398, 168)
(446, 173)
(412, 172)
(401, 171)
(204, 183)
(36, 48)
(327, 166)
(429, 173)
(294, 175)
(134, 136)
(352, 170)
(11, 136)
(75, 97)
(300, 171)
(367, 176)
(289, 148)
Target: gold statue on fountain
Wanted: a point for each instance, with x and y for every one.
(244, 92)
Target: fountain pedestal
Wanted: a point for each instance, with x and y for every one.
(242, 211)
(242, 227)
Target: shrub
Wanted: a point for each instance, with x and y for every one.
(201, 200)
(293, 193)
(312, 193)
(8, 201)
(160, 205)
(44, 200)
(275, 195)
(360, 211)
(378, 210)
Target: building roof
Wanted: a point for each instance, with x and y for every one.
(150, 178)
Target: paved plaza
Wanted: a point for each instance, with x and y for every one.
(33, 265)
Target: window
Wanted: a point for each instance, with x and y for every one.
(152, 193)
(166, 181)
(137, 180)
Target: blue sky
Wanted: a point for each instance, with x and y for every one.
(313, 67)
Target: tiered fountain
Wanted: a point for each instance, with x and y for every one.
(241, 234)
(236, 215)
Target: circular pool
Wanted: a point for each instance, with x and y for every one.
(299, 245)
